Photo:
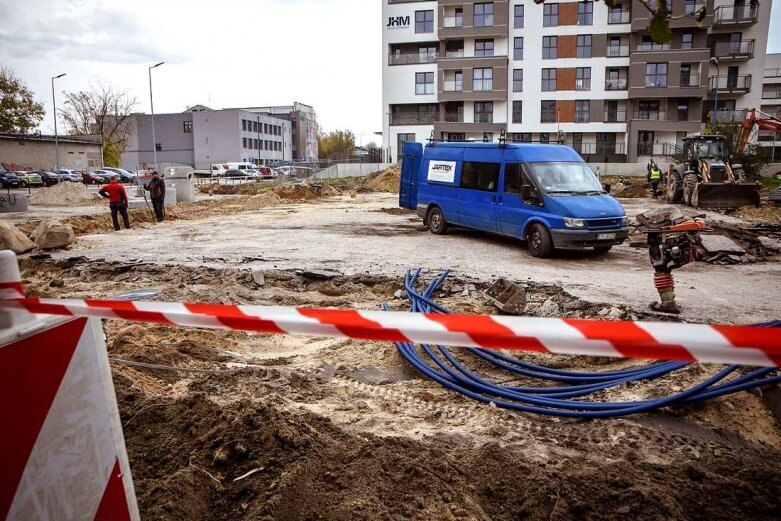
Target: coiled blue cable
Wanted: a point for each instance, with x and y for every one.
(577, 400)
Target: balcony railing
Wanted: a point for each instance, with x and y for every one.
(599, 148)
(452, 86)
(484, 118)
(727, 115)
(413, 58)
(620, 84)
(729, 15)
(743, 49)
(617, 51)
(452, 22)
(454, 54)
(454, 117)
(739, 83)
(658, 149)
(614, 116)
(650, 115)
(690, 81)
(772, 73)
(413, 119)
(619, 17)
(771, 94)
(652, 47)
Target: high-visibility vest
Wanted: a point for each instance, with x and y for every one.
(656, 174)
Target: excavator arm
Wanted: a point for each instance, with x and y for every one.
(764, 121)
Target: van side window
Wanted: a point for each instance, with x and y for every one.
(514, 178)
(480, 176)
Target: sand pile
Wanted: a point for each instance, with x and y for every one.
(305, 192)
(387, 181)
(221, 189)
(64, 194)
(263, 200)
(632, 191)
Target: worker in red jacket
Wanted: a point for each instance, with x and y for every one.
(117, 198)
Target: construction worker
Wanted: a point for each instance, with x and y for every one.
(156, 188)
(655, 176)
(117, 198)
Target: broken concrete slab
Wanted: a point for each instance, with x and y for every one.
(12, 239)
(53, 235)
(720, 244)
(770, 244)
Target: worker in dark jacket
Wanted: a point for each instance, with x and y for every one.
(117, 198)
(156, 189)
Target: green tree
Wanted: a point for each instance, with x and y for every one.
(19, 112)
(661, 16)
(339, 144)
(751, 157)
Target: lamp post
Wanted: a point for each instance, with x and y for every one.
(152, 106)
(715, 61)
(56, 136)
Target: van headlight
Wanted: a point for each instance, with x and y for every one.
(624, 221)
(574, 223)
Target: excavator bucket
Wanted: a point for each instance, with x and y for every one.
(726, 196)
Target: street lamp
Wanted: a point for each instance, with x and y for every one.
(56, 136)
(715, 61)
(152, 105)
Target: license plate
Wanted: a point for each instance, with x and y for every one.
(606, 237)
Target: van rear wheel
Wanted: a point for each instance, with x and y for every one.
(540, 241)
(436, 221)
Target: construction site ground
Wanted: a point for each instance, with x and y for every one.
(226, 425)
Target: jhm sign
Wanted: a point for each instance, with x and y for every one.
(398, 22)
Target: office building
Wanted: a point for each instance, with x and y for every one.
(303, 121)
(579, 71)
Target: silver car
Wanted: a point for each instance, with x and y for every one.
(73, 176)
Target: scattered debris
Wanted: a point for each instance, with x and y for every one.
(53, 235)
(720, 244)
(11, 238)
(507, 296)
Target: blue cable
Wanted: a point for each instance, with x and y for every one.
(573, 401)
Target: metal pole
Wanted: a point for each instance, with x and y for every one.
(715, 61)
(152, 106)
(56, 135)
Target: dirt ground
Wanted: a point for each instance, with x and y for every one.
(233, 425)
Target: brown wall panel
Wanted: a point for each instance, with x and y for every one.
(565, 79)
(568, 46)
(568, 14)
(566, 110)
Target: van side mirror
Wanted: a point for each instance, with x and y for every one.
(528, 192)
(607, 187)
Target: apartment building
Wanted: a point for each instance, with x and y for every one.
(201, 136)
(771, 103)
(577, 71)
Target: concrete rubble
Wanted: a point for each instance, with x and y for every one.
(53, 235)
(12, 239)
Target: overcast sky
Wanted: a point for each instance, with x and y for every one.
(226, 53)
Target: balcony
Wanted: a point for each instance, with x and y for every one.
(691, 81)
(652, 47)
(601, 152)
(619, 17)
(771, 94)
(620, 84)
(413, 118)
(735, 116)
(735, 51)
(650, 115)
(453, 22)
(453, 117)
(729, 16)
(739, 84)
(617, 51)
(614, 116)
(413, 58)
(453, 86)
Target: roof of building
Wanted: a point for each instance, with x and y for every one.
(81, 140)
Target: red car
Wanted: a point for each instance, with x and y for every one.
(265, 172)
(90, 178)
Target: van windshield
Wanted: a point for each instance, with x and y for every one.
(566, 178)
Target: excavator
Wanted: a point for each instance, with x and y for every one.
(707, 179)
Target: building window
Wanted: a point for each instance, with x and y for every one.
(424, 21)
(648, 110)
(244, 124)
(583, 78)
(400, 140)
(243, 142)
(484, 14)
(687, 41)
(480, 176)
(550, 15)
(517, 112)
(689, 7)
(484, 47)
(586, 13)
(265, 128)
(550, 47)
(518, 12)
(424, 83)
(518, 48)
(518, 80)
(683, 110)
(548, 111)
(521, 137)
(544, 137)
(548, 79)
(656, 75)
(483, 79)
(188, 127)
(159, 147)
(256, 144)
(647, 44)
(686, 75)
(582, 111)
(484, 112)
(584, 46)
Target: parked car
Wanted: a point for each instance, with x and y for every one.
(124, 175)
(9, 180)
(106, 175)
(49, 178)
(287, 170)
(265, 172)
(90, 178)
(71, 176)
(29, 179)
(240, 173)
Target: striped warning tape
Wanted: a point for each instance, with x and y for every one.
(647, 340)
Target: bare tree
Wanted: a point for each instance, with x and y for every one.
(102, 111)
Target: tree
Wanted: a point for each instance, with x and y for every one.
(751, 157)
(19, 112)
(661, 16)
(103, 112)
(339, 144)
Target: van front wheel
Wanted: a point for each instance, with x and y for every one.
(436, 221)
(540, 241)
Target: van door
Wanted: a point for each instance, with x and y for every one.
(513, 210)
(410, 166)
(478, 195)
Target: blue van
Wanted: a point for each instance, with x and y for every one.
(544, 194)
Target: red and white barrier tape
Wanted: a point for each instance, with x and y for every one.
(648, 340)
